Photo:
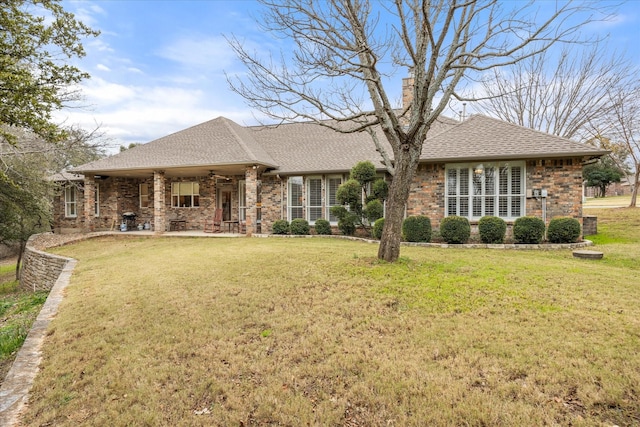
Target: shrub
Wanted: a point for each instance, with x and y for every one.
(374, 210)
(528, 229)
(299, 226)
(416, 229)
(280, 226)
(563, 230)
(323, 226)
(455, 229)
(492, 229)
(347, 225)
(377, 228)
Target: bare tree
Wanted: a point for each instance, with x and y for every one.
(345, 52)
(561, 93)
(622, 131)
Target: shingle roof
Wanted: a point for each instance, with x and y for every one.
(216, 142)
(485, 138)
(303, 148)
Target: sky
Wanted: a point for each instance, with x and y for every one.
(159, 66)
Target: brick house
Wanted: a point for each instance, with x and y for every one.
(259, 174)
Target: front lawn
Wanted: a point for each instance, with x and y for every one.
(230, 332)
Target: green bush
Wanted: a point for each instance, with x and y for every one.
(347, 224)
(280, 226)
(492, 229)
(455, 229)
(299, 227)
(377, 228)
(528, 229)
(563, 230)
(374, 210)
(416, 229)
(322, 226)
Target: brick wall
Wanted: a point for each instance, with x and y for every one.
(274, 195)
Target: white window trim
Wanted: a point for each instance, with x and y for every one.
(308, 205)
(140, 187)
(290, 206)
(68, 203)
(327, 198)
(242, 200)
(496, 194)
(96, 201)
(192, 193)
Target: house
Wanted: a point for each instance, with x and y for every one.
(260, 174)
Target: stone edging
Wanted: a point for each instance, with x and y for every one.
(542, 246)
(15, 389)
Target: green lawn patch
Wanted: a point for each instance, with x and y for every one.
(217, 332)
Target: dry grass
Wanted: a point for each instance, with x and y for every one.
(230, 332)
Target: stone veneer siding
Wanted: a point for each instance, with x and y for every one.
(274, 197)
(562, 178)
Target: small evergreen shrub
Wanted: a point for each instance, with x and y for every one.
(455, 229)
(528, 229)
(563, 230)
(299, 226)
(492, 229)
(280, 226)
(347, 224)
(323, 227)
(377, 228)
(416, 229)
(374, 210)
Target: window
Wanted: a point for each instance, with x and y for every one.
(242, 200)
(476, 190)
(294, 205)
(314, 199)
(333, 182)
(185, 194)
(70, 202)
(144, 195)
(96, 202)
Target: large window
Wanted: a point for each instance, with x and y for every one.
(294, 205)
(476, 190)
(185, 194)
(333, 182)
(144, 195)
(314, 199)
(70, 202)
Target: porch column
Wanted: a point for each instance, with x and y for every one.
(89, 203)
(159, 209)
(251, 184)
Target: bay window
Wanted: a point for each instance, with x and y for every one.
(476, 190)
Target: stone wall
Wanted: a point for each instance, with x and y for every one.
(40, 270)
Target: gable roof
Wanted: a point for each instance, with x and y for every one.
(218, 142)
(485, 138)
(223, 146)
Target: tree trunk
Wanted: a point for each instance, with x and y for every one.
(405, 169)
(21, 247)
(634, 193)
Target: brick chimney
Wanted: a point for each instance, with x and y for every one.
(407, 90)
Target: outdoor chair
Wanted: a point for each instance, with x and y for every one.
(214, 225)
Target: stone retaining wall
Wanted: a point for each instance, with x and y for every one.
(40, 270)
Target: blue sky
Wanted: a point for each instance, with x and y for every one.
(158, 66)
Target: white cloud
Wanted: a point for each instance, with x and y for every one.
(213, 53)
(103, 67)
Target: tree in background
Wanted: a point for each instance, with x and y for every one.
(601, 174)
(36, 38)
(25, 190)
(562, 93)
(362, 199)
(345, 52)
(623, 134)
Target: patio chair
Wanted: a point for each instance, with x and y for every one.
(215, 225)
